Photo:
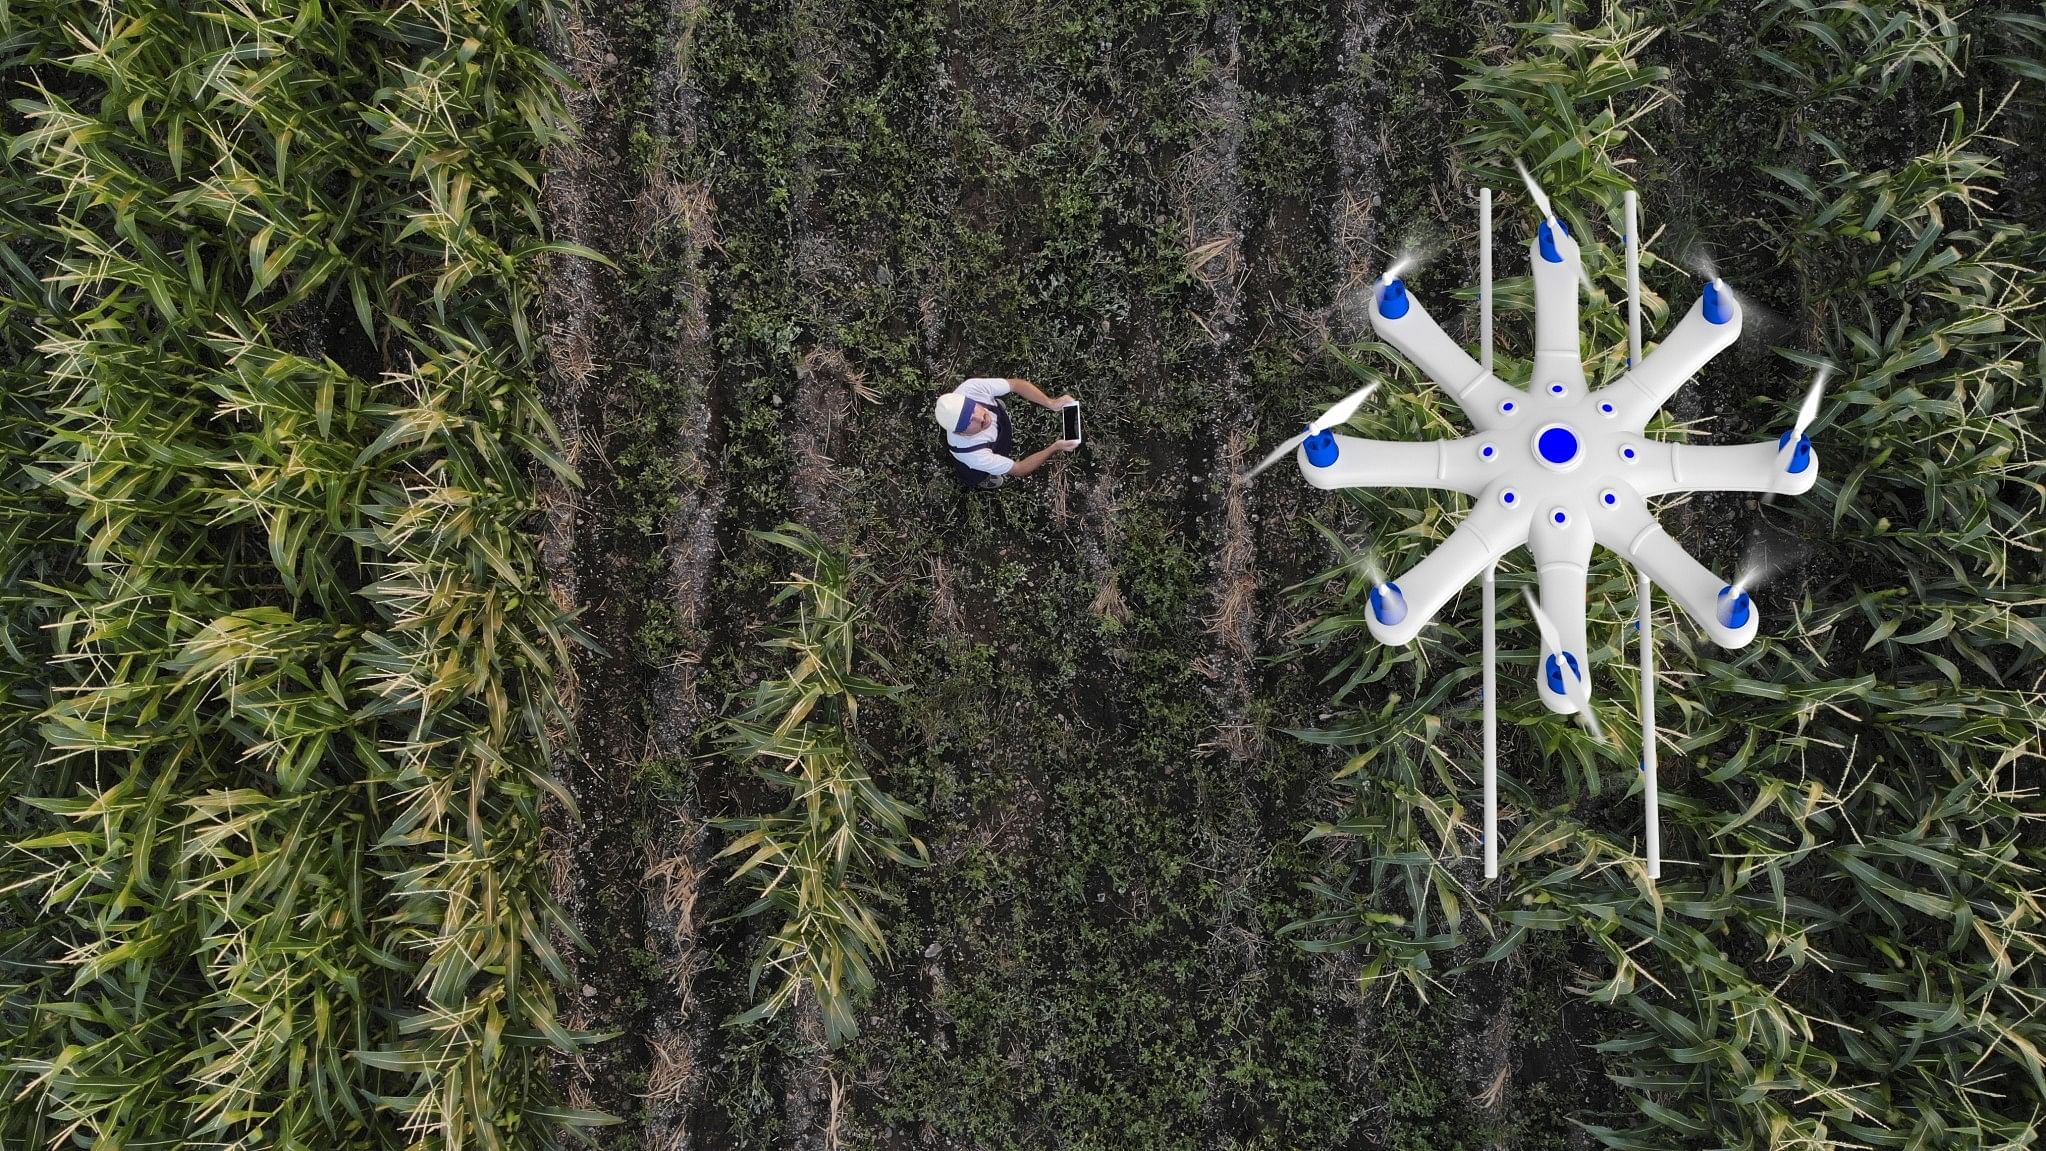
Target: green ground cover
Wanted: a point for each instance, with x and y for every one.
(289, 579)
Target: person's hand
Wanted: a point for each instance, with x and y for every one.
(1062, 402)
(1065, 445)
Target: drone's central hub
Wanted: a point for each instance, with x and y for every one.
(1558, 446)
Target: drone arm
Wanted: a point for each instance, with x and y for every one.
(1562, 555)
(1420, 339)
(1451, 465)
(1693, 342)
(1760, 467)
(1630, 531)
(1488, 532)
(1558, 357)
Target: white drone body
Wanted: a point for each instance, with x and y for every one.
(1558, 466)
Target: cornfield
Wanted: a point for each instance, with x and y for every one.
(290, 314)
(1853, 958)
(278, 659)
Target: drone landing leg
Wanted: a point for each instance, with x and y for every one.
(1491, 569)
(1649, 797)
(1491, 726)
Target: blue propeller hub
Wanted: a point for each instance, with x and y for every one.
(1387, 604)
(1718, 305)
(1392, 299)
(1734, 607)
(1548, 242)
(1799, 459)
(1556, 672)
(1321, 448)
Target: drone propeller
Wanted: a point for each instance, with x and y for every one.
(1805, 415)
(1548, 212)
(1574, 686)
(1534, 190)
(1338, 413)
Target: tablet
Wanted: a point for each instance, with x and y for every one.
(1071, 412)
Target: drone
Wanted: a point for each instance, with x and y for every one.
(1555, 467)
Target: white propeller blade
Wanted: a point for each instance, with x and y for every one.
(1808, 412)
(1574, 686)
(1534, 190)
(1335, 416)
(1340, 412)
(1541, 200)
(1278, 454)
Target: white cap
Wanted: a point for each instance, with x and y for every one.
(948, 409)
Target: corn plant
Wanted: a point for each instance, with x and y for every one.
(278, 658)
(1856, 51)
(813, 865)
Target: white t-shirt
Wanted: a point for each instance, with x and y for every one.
(985, 389)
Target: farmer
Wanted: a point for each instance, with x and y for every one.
(977, 430)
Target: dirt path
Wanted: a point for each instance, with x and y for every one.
(631, 551)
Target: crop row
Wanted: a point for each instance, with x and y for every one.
(278, 660)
